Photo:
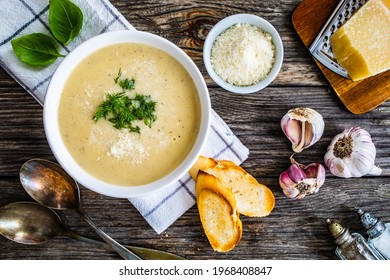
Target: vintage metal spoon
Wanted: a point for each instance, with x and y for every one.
(32, 223)
(51, 186)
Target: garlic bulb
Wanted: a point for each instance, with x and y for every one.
(303, 127)
(300, 180)
(352, 154)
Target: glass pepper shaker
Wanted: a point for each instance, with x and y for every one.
(350, 246)
(378, 233)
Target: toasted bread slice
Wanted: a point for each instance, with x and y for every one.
(253, 199)
(201, 164)
(218, 213)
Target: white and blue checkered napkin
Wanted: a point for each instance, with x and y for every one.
(21, 17)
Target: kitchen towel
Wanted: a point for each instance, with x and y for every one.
(21, 17)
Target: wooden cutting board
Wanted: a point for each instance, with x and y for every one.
(359, 97)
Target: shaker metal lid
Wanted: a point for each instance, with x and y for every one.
(339, 233)
(335, 229)
(373, 225)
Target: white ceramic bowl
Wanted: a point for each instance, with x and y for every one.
(225, 24)
(53, 97)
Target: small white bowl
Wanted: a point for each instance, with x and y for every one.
(225, 24)
(53, 97)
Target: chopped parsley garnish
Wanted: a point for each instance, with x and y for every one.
(124, 83)
(122, 111)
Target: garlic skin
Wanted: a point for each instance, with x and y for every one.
(303, 127)
(352, 154)
(300, 180)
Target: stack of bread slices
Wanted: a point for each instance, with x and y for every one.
(224, 190)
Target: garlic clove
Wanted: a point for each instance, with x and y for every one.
(288, 185)
(286, 181)
(311, 170)
(293, 193)
(296, 173)
(316, 171)
(292, 130)
(309, 135)
(303, 127)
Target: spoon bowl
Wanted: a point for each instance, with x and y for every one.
(31, 223)
(48, 184)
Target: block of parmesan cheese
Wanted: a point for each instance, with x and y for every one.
(362, 44)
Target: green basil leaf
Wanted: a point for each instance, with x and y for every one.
(65, 20)
(36, 49)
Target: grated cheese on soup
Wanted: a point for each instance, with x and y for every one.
(243, 54)
(127, 146)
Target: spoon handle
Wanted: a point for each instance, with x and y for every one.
(144, 253)
(121, 250)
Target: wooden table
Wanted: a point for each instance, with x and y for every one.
(295, 229)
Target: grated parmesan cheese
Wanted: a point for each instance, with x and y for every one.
(243, 54)
(126, 146)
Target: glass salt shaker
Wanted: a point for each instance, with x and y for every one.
(378, 233)
(350, 246)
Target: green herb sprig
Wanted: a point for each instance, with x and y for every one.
(125, 83)
(122, 111)
(38, 49)
(65, 20)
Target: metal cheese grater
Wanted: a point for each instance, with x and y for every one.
(320, 48)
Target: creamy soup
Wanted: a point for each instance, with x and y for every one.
(119, 156)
